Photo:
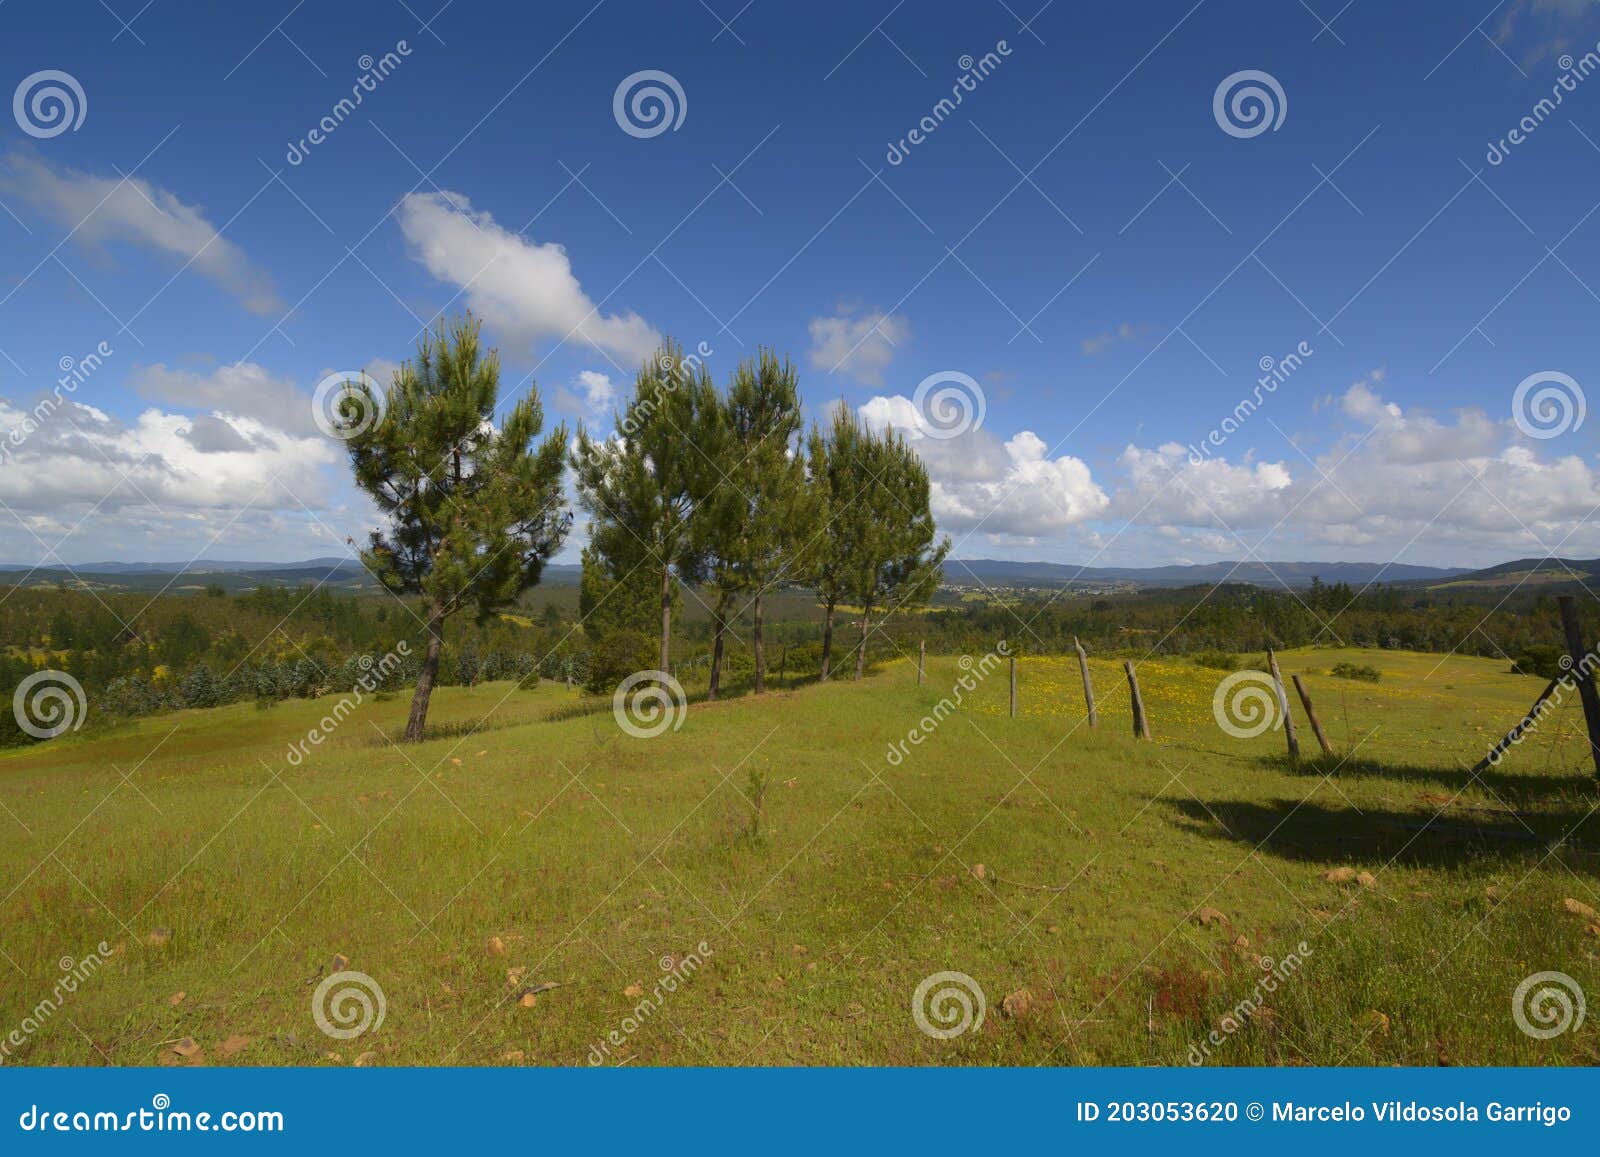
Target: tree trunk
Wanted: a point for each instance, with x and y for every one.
(719, 627)
(756, 647)
(666, 615)
(827, 642)
(861, 647)
(425, 677)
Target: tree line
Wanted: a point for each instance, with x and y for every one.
(697, 488)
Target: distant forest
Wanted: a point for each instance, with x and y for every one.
(137, 655)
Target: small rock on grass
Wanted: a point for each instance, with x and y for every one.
(1366, 879)
(497, 946)
(1207, 916)
(633, 990)
(515, 1056)
(365, 1060)
(1339, 875)
(176, 998)
(1018, 1004)
(1579, 909)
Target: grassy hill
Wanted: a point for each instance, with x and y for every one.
(1136, 892)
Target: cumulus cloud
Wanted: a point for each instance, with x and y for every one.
(1011, 488)
(524, 290)
(102, 210)
(244, 389)
(858, 343)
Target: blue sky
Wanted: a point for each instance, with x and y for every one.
(1079, 237)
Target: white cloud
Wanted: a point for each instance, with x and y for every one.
(244, 389)
(1012, 488)
(132, 210)
(861, 344)
(523, 290)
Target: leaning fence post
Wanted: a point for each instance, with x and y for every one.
(1311, 714)
(1088, 687)
(1141, 728)
(1283, 706)
(922, 658)
(1581, 670)
(1013, 686)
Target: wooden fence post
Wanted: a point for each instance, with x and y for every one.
(1141, 727)
(1088, 687)
(922, 658)
(1013, 686)
(1311, 714)
(1283, 706)
(1580, 670)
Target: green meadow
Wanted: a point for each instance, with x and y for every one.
(522, 885)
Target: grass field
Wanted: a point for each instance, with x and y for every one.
(1135, 892)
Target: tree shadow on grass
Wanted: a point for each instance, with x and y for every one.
(1570, 787)
(1299, 829)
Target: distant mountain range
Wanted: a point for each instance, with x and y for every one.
(346, 574)
(998, 572)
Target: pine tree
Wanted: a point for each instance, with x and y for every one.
(643, 486)
(474, 511)
(834, 480)
(774, 513)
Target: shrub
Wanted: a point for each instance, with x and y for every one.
(618, 654)
(1542, 659)
(1217, 660)
(1351, 671)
